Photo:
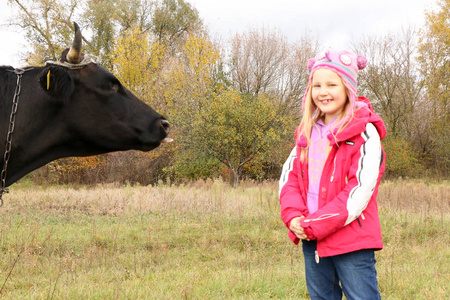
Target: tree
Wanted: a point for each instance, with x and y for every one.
(234, 128)
(257, 58)
(47, 25)
(136, 60)
(185, 81)
(435, 66)
(101, 26)
(188, 78)
(391, 79)
(262, 61)
(173, 19)
(394, 83)
(295, 77)
(107, 20)
(132, 13)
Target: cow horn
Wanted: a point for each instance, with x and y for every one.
(74, 54)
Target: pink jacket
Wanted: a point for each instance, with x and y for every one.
(347, 219)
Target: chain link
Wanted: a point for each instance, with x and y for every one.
(12, 120)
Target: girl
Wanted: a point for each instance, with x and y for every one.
(329, 183)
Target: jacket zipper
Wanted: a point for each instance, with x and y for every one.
(359, 221)
(334, 169)
(322, 217)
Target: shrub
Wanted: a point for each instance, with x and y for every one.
(401, 160)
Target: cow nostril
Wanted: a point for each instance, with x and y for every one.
(166, 126)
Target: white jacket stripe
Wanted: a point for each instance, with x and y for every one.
(287, 168)
(367, 173)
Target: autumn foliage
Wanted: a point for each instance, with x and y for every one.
(234, 105)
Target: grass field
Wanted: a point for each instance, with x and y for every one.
(204, 240)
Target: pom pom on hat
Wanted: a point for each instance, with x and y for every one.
(328, 55)
(311, 63)
(361, 62)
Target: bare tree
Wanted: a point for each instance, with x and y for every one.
(262, 61)
(257, 58)
(392, 79)
(295, 78)
(47, 25)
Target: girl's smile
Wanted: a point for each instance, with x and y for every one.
(329, 93)
(325, 101)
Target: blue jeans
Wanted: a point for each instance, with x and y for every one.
(355, 271)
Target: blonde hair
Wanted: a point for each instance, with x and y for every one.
(311, 114)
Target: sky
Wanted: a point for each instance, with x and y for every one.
(336, 23)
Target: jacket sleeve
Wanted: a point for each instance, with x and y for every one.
(290, 194)
(363, 178)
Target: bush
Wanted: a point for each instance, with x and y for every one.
(401, 160)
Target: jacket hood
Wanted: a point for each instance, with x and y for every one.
(363, 115)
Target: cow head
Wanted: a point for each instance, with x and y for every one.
(99, 109)
(78, 109)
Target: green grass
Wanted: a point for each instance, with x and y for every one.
(200, 241)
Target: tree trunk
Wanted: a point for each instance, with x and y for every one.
(236, 176)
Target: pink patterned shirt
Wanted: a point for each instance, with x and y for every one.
(317, 156)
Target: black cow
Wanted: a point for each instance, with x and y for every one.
(72, 108)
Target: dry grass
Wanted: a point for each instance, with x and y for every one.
(415, 220)
(197, 241)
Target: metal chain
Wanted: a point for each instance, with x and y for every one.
(12, 120)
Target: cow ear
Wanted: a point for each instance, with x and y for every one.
(57, 81)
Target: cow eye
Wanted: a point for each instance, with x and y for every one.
(112, 87)
(115, 87)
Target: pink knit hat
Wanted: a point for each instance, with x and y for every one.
(345, 63)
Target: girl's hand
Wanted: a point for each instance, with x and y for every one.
(297, 229)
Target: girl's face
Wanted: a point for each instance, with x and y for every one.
(329, 93)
